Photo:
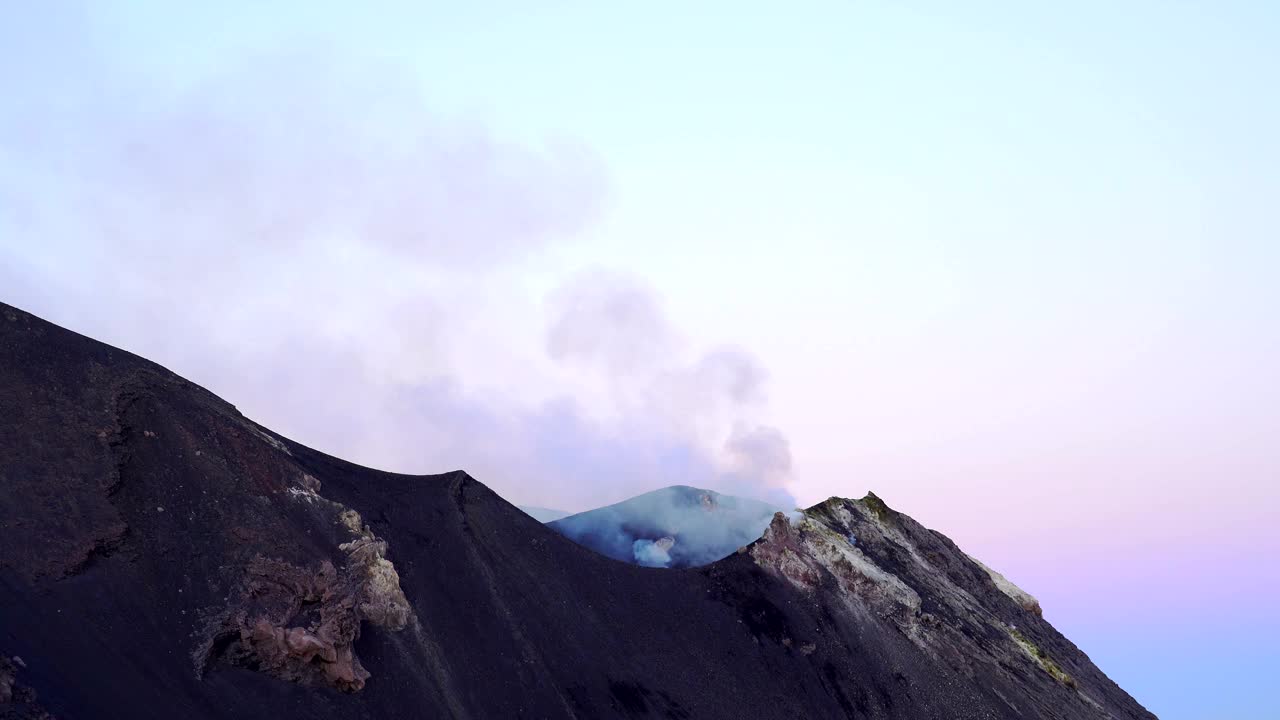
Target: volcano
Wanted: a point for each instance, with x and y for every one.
(163, 556)
(677, 526)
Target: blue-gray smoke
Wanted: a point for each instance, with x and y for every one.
(674, 527)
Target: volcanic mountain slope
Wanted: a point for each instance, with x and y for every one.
(674, 527)
(162, 556)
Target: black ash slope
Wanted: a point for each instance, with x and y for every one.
(162, 556)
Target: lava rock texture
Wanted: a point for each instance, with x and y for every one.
(162, 556)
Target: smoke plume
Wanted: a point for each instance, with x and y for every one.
(672, 527)
(303, 236)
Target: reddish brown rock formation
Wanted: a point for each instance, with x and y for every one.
(301, 624)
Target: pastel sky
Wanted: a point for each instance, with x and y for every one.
(1012, 265)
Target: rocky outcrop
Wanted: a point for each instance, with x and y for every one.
(1024, 599)
(380, 599)
(863, 557)
(301, 624)
(17, 701)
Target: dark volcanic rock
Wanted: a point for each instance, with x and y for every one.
(17, 701)
(162, 556)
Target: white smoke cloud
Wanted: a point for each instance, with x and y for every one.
(608, 324)
(653, 553)
(677, 526)
(305, 238)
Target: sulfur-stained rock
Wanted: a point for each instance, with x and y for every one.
(267, 616)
